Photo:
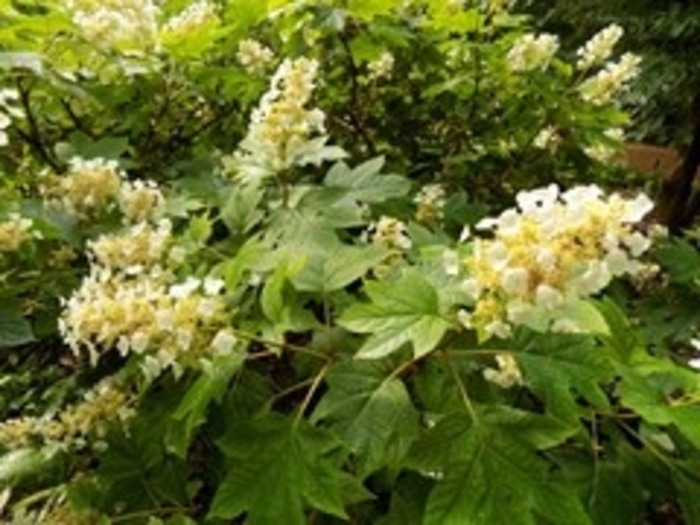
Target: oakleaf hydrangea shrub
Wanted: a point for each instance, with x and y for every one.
(292, 262)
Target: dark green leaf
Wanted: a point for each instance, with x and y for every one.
(15, 330)
(279, 467)
(557, 367)
(498, 480)
(192, 411)
(373, 413)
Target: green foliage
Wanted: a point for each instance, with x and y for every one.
(234, 262)
(665, 35)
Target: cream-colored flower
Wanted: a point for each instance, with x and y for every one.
(382, 67)
(532, 52)
(13, 232)
(602, 87)
(599, 48)
(254, 56)
(140, 246)
(283, 131)
(390, 233)
(90, 187)
(553, 250)
(126, 25)
(430, 201)
(548, 139)
(196, 16)
(139, 200)
(73, 426)
(508, 373)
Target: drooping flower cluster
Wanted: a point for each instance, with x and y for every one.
(132, 301)
(73, 426)
(599, 48)
(600, 88)
(430, 201)
(532, 52)
(253, 56)
(197, 15)
(549, 254)
(283, 132)
(7, 111)
(13, 232)
(127, 25)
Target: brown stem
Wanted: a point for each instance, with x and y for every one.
(676, 203)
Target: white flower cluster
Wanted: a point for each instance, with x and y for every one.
(550, 253)
(73, 426)
(91, 187)
(13, 232)
(547, 138)
(600, 88)
(138, 200)
(508, 373)
(7, 111)
(199, 14)
(390, 233)
(430, 201)
(132, 301)
(599, 48)
(532, 52)
(127, 25)
(282, 128)
(253, 56)
(141, 246)
(382, 67)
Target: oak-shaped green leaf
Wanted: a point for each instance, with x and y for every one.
(662, 393)
(365, 183)
(498, 479)
(400, 312)
(336, 268)
(558, 367)
(372, 413)
(278, 468)
(681, 259)
(192, 410)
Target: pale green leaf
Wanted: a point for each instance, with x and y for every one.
(365, 183)
(336, 268)
(400, 312)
